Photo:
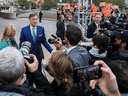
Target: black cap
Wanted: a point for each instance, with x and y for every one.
(122, 35)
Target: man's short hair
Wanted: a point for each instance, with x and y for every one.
(97, 14)
(11, 65)
(32, 15)
(73, 34)
(120, 69)
(60, 16)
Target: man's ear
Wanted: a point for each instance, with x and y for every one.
(24, 70)
(66, 40)
(124, 44)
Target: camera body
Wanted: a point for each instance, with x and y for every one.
(87, 73)
(25, 50)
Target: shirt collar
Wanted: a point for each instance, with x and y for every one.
(32, 27)
(71, 49)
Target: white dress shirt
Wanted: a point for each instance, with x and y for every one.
(35, 30)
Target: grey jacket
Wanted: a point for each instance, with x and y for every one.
(80, 56)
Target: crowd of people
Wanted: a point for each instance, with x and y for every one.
(62, 63)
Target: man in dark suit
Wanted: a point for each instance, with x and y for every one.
(35, 35)
(92, 27)
(60, 27)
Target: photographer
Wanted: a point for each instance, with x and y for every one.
(121, 41)
(107, 82)
(99, 49)
(72, 37)
(11, 70)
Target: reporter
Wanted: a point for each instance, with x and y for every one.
(8, 37)
(11, 70)
(107, 82)
(61, 67)
(99, 49)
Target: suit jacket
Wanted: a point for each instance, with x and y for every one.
(91, 29)
(36, 46)
(80, 56)
(60, 29)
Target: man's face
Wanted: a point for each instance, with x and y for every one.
(62, 18)
(97, 19)
(118, 42)
(33, 21)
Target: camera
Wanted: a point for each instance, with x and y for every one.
(87, 73)
(55, 40)
(52, 41)
(25, 49)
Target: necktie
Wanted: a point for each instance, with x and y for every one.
(34, 35)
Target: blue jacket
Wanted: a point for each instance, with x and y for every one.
(36, 46)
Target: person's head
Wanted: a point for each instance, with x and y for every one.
(73, 34)
(33, 19)
(61, 17)
(61, 66)
(120, 69)
(121, 40)
(100, 42)
(9, 32)
(97, 18)
(11, 65)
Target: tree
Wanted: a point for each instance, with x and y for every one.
(22, 2)
(48, 4)
(121, 3)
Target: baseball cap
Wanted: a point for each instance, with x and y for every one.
(123, 35)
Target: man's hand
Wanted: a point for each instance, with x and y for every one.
(43, 62)
(107, 82)
(33, 66)
(59, 44)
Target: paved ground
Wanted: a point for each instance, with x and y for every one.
(48, 24)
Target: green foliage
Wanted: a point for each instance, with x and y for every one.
(22, 2)
(48, 4)
(121, 3)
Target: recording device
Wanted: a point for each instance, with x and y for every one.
(52, 41)
(25, 49)
(87, 73)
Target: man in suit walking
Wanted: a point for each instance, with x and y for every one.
(35, 34)
(92, 27)
(60, 27)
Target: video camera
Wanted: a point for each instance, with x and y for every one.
(55, 40)
(25, 49)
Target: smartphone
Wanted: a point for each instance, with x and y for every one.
(87, 73)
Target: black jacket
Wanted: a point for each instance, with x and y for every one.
(92, 59)
(43, 88)
(60, 29)
(60, 90)
(91, 29)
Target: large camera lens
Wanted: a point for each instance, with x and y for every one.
(25, 47)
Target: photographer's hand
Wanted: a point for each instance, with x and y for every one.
(33, 66)
(59, 44)
(107, 82)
